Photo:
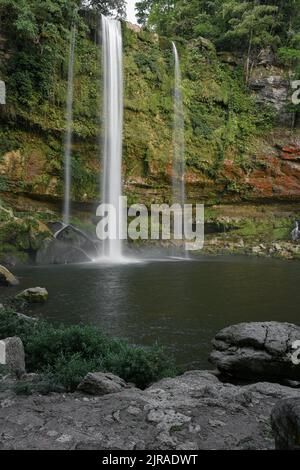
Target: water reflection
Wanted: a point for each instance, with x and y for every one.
(180, 304)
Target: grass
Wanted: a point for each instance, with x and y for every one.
(64, 355)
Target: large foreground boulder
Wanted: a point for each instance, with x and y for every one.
(7, 278)
(285, 420)
(33, 295)
(257, 351)
(99, 383)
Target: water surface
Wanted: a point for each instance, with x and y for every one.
(179, 304)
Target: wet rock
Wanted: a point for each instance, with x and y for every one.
(285, 420)
(34, 295)
(12, 355)
(257, 351)
(72, 236)
(58, 252)
(7, 278)
(99, 383)
(69, 245)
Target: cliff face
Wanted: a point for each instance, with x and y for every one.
(239, 145)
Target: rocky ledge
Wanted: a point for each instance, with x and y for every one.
(193, 411)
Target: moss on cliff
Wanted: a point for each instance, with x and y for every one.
(222, 121)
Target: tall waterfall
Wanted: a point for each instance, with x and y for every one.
(69, 131)
(178, 137)
(113, 129)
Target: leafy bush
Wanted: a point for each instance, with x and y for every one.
(66, 354)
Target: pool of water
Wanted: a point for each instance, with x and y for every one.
(180, 304)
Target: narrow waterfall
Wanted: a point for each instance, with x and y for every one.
(178, 183)
(69, 131)
(113, 129)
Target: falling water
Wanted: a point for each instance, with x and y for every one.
(69, 131)
(113, 127)
(178, 182)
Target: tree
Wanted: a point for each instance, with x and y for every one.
(252, 25)
(143, 9)
(107, 7)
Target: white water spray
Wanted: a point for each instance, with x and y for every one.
(178, 180)
(113, 128)
(69, 131)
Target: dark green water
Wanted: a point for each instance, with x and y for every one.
(179, 304)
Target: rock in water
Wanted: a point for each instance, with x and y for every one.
(7, 278)
(57, 252)
(285, 420)
(34, 295)
(99, 383)
(259, 351)
(12, 355)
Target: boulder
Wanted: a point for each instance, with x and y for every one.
(77, 238)
(69, 245)
(7, 278)
(257, 351)
(12, 355)
(285, 419)
(99, 383)
(58, 252)
(34, 295)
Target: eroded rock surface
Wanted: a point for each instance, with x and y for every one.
(12, 355)
(286, 424)
(193, 411)
(259, 351)
(99, 383)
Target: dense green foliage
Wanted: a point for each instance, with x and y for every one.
(65, 355)
(276, 21)
(242, 26)
(222, 119)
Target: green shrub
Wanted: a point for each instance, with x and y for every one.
(67, 354)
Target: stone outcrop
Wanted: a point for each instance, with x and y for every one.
(271, 87)
(34, 295)
(12, 355)
(7, 278)
(257, 351)
(57, 252)
(69, 245)
(190, 412)
(285, 420)
(99, 383)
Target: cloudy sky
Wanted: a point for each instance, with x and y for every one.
(130, 11)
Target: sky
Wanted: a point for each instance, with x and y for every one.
(130, 11)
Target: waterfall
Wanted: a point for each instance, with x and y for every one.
(69, 131)
(113, 128)
(178, 183)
